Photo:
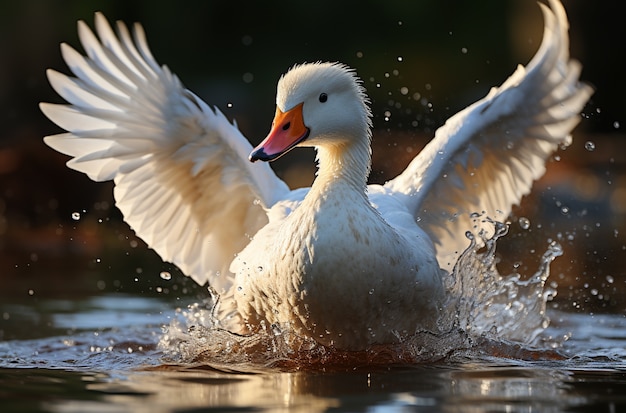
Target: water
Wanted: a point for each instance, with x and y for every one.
(139, 352)
(101, 354)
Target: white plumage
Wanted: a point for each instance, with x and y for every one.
(344, 263)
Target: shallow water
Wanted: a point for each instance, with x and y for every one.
(101, 354)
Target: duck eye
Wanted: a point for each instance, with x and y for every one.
(323, 97)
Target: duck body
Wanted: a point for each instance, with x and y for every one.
(310, 266)
(343, 263)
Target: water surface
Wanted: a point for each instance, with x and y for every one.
(101, 353)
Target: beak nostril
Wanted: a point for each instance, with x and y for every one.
(286, 125)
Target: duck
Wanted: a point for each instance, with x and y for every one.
(345, 263)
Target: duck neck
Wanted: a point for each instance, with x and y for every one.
(343, 167)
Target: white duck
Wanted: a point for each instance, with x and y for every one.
(344, 263)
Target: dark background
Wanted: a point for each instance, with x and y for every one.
(232, 53)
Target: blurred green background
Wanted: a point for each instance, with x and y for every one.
(421, 61)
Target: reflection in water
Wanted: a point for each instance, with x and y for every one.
(495, 388)
(180, 390)
(464, 388)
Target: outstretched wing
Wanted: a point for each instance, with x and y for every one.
(182, 179)
(486, 157)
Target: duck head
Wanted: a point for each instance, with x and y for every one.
(317, 104)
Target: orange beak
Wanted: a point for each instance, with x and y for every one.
(287, 131)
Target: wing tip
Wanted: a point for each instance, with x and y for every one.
(47, 108)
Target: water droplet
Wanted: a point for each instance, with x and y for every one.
(404, 90)
(616, 125)
(371, 291)
(464, 50)
(259, 269)
(610, 279)
(76, 216)
(564, 210)
(524, 222)
(165, 275)
(399, 58)
(590, 146)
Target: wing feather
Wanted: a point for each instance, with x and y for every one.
(182, 179)
(486, 157)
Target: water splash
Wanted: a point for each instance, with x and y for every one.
(484, 310)
(487, 304)
(165, 275)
